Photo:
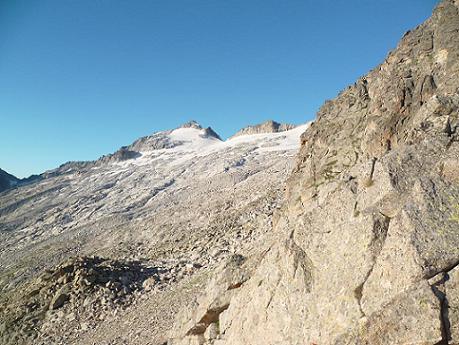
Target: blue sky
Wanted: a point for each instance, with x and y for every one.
(81, 78)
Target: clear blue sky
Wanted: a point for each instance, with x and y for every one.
(80, 78)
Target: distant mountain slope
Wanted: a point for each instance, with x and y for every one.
(7, 180)
(170, 207)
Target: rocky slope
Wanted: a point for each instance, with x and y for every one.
(108, 251)
(366, 249)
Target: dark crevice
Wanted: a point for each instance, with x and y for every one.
(380, 229)
(301, 260)
(373, 164)
(235, 286)
(358, 292)
(446, 270)
(211, 316)
(356, 211)
(444, 312)
(452, 266)
(448, 129)
(440, 292)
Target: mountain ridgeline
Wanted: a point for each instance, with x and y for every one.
(7, 180)
(343, 231)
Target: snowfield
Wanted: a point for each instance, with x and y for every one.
(194, 143)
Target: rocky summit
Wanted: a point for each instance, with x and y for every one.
(265, 127)
(342, 231)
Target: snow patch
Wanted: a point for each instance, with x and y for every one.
(196, 144)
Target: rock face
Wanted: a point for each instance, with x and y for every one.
(368, 239)
(265, 127)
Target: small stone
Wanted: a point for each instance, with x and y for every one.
(71, 317)
(87, 301)
(149, 284)
(60, 297)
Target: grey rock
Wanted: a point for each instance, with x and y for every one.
(265, 127)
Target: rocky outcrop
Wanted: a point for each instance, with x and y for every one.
(207, 132)
(80, 293)
(71, 167)
(265, 127)
(368, 240)
(123, 154)
(202, 323)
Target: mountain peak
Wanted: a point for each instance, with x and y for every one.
(207, 132)
(191, 124)
(269, 126)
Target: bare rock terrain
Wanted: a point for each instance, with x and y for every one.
(108, 249)
(367, 243)
(182, 238)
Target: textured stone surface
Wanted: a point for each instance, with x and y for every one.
(451, 286)
(371, 217)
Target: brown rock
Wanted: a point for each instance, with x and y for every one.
(60, 297)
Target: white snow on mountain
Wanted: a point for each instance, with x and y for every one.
(194, 143)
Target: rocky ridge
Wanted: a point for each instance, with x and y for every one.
(265, 127)
(366, 245)
(8, 181)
